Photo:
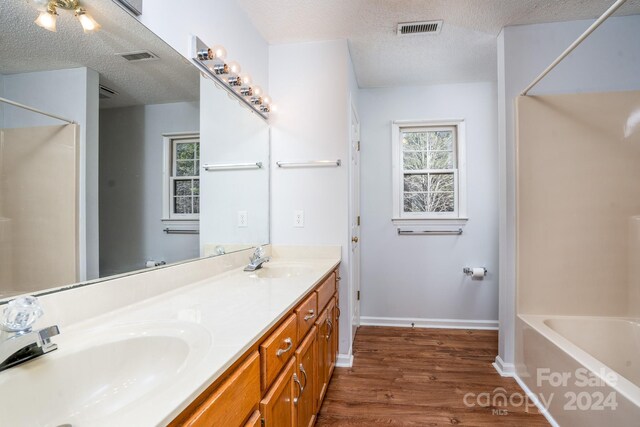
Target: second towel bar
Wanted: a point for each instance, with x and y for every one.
(232, 166)
(310, 163)
(429, 232)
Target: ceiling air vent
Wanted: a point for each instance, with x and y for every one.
(424, 27)
(107, 92)
(143, 55)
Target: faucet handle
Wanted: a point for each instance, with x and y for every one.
(20, 314)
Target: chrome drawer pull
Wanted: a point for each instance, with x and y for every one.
(295, 379)
(339, 311)
(305, 377)
(289, 344)
(311, 315)
(330, 329)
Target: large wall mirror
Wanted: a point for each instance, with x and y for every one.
(120, 186)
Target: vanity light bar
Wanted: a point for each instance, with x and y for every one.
(211, 61)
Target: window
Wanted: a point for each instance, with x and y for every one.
(182, 177)
(428, 171)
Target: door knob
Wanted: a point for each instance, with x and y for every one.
(354, 239)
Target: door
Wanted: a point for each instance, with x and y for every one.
(355, 221)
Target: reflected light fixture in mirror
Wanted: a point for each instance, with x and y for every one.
(49, 14)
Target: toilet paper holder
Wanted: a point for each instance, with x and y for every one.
(469, 271)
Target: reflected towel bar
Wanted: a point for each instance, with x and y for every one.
(310, 163)
(180, 231)
(232, 166)
(430, 232)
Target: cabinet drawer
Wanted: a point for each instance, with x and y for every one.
(232, 402)
(326, 290)
(254, 421)
(276, 350)
(306, 313)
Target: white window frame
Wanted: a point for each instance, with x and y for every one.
(168, 146)
(459, 216)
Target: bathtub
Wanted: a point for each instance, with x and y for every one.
(584, 370)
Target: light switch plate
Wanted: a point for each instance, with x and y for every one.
(298, 219)
(243, 219)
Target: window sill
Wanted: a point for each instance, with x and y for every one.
(172, 222)
(429, 221)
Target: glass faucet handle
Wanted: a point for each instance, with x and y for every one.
(20, 314)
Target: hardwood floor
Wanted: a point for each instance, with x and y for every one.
(419, 377)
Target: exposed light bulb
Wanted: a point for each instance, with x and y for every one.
(89, 25)
(219, 52)
(47, 20)
(246, 79)
(273, 108)
(257, 91)
(266, 100)
(234, 68)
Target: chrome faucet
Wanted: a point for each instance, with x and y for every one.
(18, 341)
(257, 259)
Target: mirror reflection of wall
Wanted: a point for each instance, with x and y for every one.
(122, 188)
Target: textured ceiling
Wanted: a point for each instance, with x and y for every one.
(25, 47)
(464, 51)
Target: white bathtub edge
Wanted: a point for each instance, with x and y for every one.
(545, 413)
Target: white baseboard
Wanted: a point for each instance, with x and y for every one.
(344, 361)
(536, 401)
(429, 323)
(504, 369)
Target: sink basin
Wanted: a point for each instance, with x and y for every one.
(281, 271)
(88, 386)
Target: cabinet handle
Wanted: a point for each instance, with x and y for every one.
(297, 381)
(339, 311)
(311, 315)
(305, 377)
(330, 329)
(282, 351)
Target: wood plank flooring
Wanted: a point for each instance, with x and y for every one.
(419, 377)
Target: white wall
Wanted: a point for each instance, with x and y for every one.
(310, 83)
(73, 94)
(609, 60)
(230, 133)
(131, 153)
(420, 277)
(220, 22)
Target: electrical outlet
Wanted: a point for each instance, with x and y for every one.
(298, 219)
(243, 219)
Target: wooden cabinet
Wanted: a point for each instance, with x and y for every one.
(232, 403)
(277, 407)
(276, 350)
(321, 357)
(307, 312)
(282, 379)
(306, 370)
(255, 420)
(332, 337)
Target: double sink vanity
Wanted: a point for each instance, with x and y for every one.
(202, 343)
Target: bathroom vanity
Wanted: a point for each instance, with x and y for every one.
(202, 343)
(283, 377)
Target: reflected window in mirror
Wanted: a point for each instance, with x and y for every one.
(182, 177)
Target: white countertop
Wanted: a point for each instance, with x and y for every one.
(212, 322)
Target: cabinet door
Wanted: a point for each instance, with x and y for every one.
(231, 403)
(321, 358)
(332, 346)
(305, 401)
(277, 406)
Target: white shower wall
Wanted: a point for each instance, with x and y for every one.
(419, 278)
